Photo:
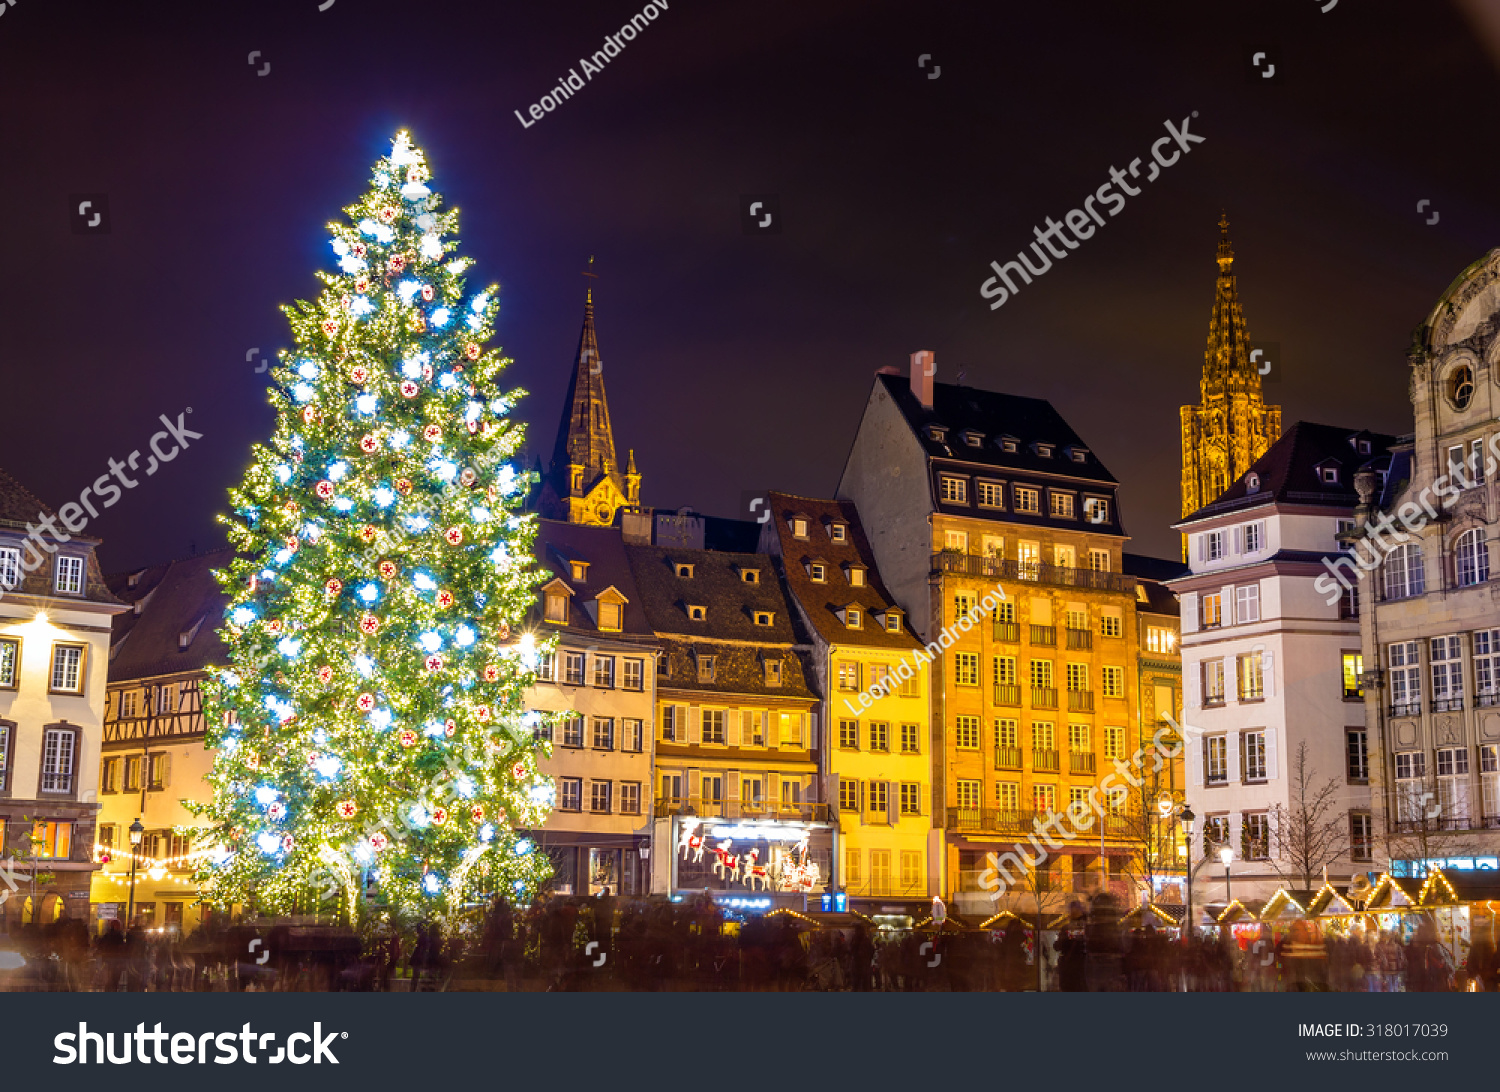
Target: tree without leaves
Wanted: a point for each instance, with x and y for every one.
(1308, 834)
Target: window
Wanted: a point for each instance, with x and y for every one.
(1487, 667)
(133, 773)
(1078, 739)
(1255, 538)
(1472, 558)
(1041, 674)
(109, 773)
(630, 797)
(1489, 779)
(713, 726)
(1078, 678)
(773, 672)
(911, 741)
(632, 735)
(1110, 625)
(967, 794)
(879, 797)
(848, 794)
(852, 858)
(799, 527)
(1360, 836)
(1252, 684)
(1028, 560)
(837, 532)
(1096, 509)
(1476, 462)
(817, 572)
(750, 576)
(10, 568)
(572, 732)
(159, 772)
(853, 617)
(1064, 557)
(880, 736)
(1211, 609)
(1099, 561)
(1213, 682)
(674, 723)
(55, 839)
(1453, 788)
(1215, 760)
(1411, 800)
(963, 604)
(10, 661)
(1114, 742)
(752, 792)
(1411, 765)
(848, 673)
(1160, 640)
(1247, 603)
(67, 669)
(966, 668)
(1461, 387)
(697, 613)
(1406, 679)
(599, 794)
(912, 687)
(706, 668)
(546, 671)
(570, 794)
(556, 607)
(991, 494)
(966, 733)
(1447, 674)
(107, 836)
(1253, 756)
(1356, 755)
(1114, 682)
(1044, 798)
(572, 668)
(954, 490)
(69, 576)
(893, 621)
(1255, 836)
(973, 439)
(911, 870)
(849, 735)
(1329, 474)
(1354, 666)
(604, 733)
(1007, 796)
(1403, 572)
(604, 672)
(57, 759)
(1028, 499)
(1007, 733)
(1062, 504)
(1043, 736)
(635, 675)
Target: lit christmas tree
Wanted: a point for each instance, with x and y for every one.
(383, 567)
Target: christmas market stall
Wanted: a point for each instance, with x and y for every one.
(1392, 906)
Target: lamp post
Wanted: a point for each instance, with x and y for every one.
(1186, 818)
(1226, 855)
(136, 833)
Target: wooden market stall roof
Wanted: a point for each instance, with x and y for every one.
(1329, 902)
(1457, 886)
(1394, 893)
(1238, 911)
(1287, 903)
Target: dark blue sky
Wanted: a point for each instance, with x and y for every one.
(733, 362)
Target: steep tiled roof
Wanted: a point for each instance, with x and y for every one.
(558, 544)
(717, 584)
(1289, 471)
(17, 503)
(738, 669)
(822, 601)
(179, 598)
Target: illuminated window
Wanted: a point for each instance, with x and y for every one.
(1354, 666)
(69, 577)
(58, 747)
(966, 733)
(67, 669)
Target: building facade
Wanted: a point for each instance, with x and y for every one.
(1277, 771)
(1231, 426)
(876, 754)
(597, 690)
(55, 614)
(967, 494)
(153, 755)
(1427, 516)
(737, 808)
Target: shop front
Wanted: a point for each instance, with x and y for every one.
(586, 863)
(750, 864)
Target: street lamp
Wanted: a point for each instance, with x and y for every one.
(136, 833)
(1186, 818)
(1226, 855)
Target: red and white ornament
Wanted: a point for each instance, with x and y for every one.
(407, 738)
(276, 810)
(476, 813)
(359, 374)
(454, 535)
(387, 569)
(434, 663)
(325, 489)
(369, 624)
(387, 215)
(325, 674)
(334, 585)
(432, 434)
(445, 598)
(439, 816)
(347, 809)
(365, 702)
(471, 351)
(427, 292)
(368, 444)
(379, 841)
(409, 389)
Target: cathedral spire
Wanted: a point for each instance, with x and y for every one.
(1226, 361)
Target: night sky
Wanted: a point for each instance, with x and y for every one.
(733, 361)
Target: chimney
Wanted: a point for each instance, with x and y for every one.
(923, 368)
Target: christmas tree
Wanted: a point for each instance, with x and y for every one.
(374, 727)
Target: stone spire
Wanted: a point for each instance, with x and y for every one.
(1226, 361)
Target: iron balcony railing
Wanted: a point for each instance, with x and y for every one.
(1044, 635)
(781, 810)
(1080, 701)
(1024, 821)
(1044, 697)
(952, 561)
(1487, 701)
(1007, 694)
(1080, 762)
(1007, 758)
(1044, 761)
(1406, 708)
(1080, 638)
(1008, 631)
(1453, 703)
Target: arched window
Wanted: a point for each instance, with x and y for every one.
(1403, 572)
(1461, 387)
(1473, 558)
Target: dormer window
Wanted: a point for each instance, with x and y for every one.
(853, 616)
(609, 610)
(557, 608)
(973, 438)
(697, 614)
(817, 572)
(1044, 450)
(773, 672)
(838, 532)
(1364, 447)
(579, 571)
(1009, 444)
(799, 527)
(135, 578)
(609, 616)
(1078, 454)
(1252, 483)
(684, 571)
(937, 433)
(705, 669)
(1329, 475)
(893, 621)
(750, 576)
(765, 618)
(855, 574)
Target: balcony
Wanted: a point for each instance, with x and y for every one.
(1080, 638)
(1080, 701)
(992, 819)
(1406, 708)
(1007, 758)
(1044, 635)
(1044, 761)
(1008, 631)
(1080, 762)
(1486, 701)
(1453, 703)
(780, 810)
(951, 561)
(1044, 697)
(1007, 694)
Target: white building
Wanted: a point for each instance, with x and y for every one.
(1269, 665)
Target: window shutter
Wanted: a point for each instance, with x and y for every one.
(773, 789)
(773, 729)
(1232, 756)
(731, 730)
(695, 783)
(892, 801)
(1202, 547)
(733, 788)
(1239, 540)
(1194, 763)
(1192, 685)
(694, 723)
(1268, 671)
(1270, 752)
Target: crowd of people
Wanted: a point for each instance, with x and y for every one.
(606, 943)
